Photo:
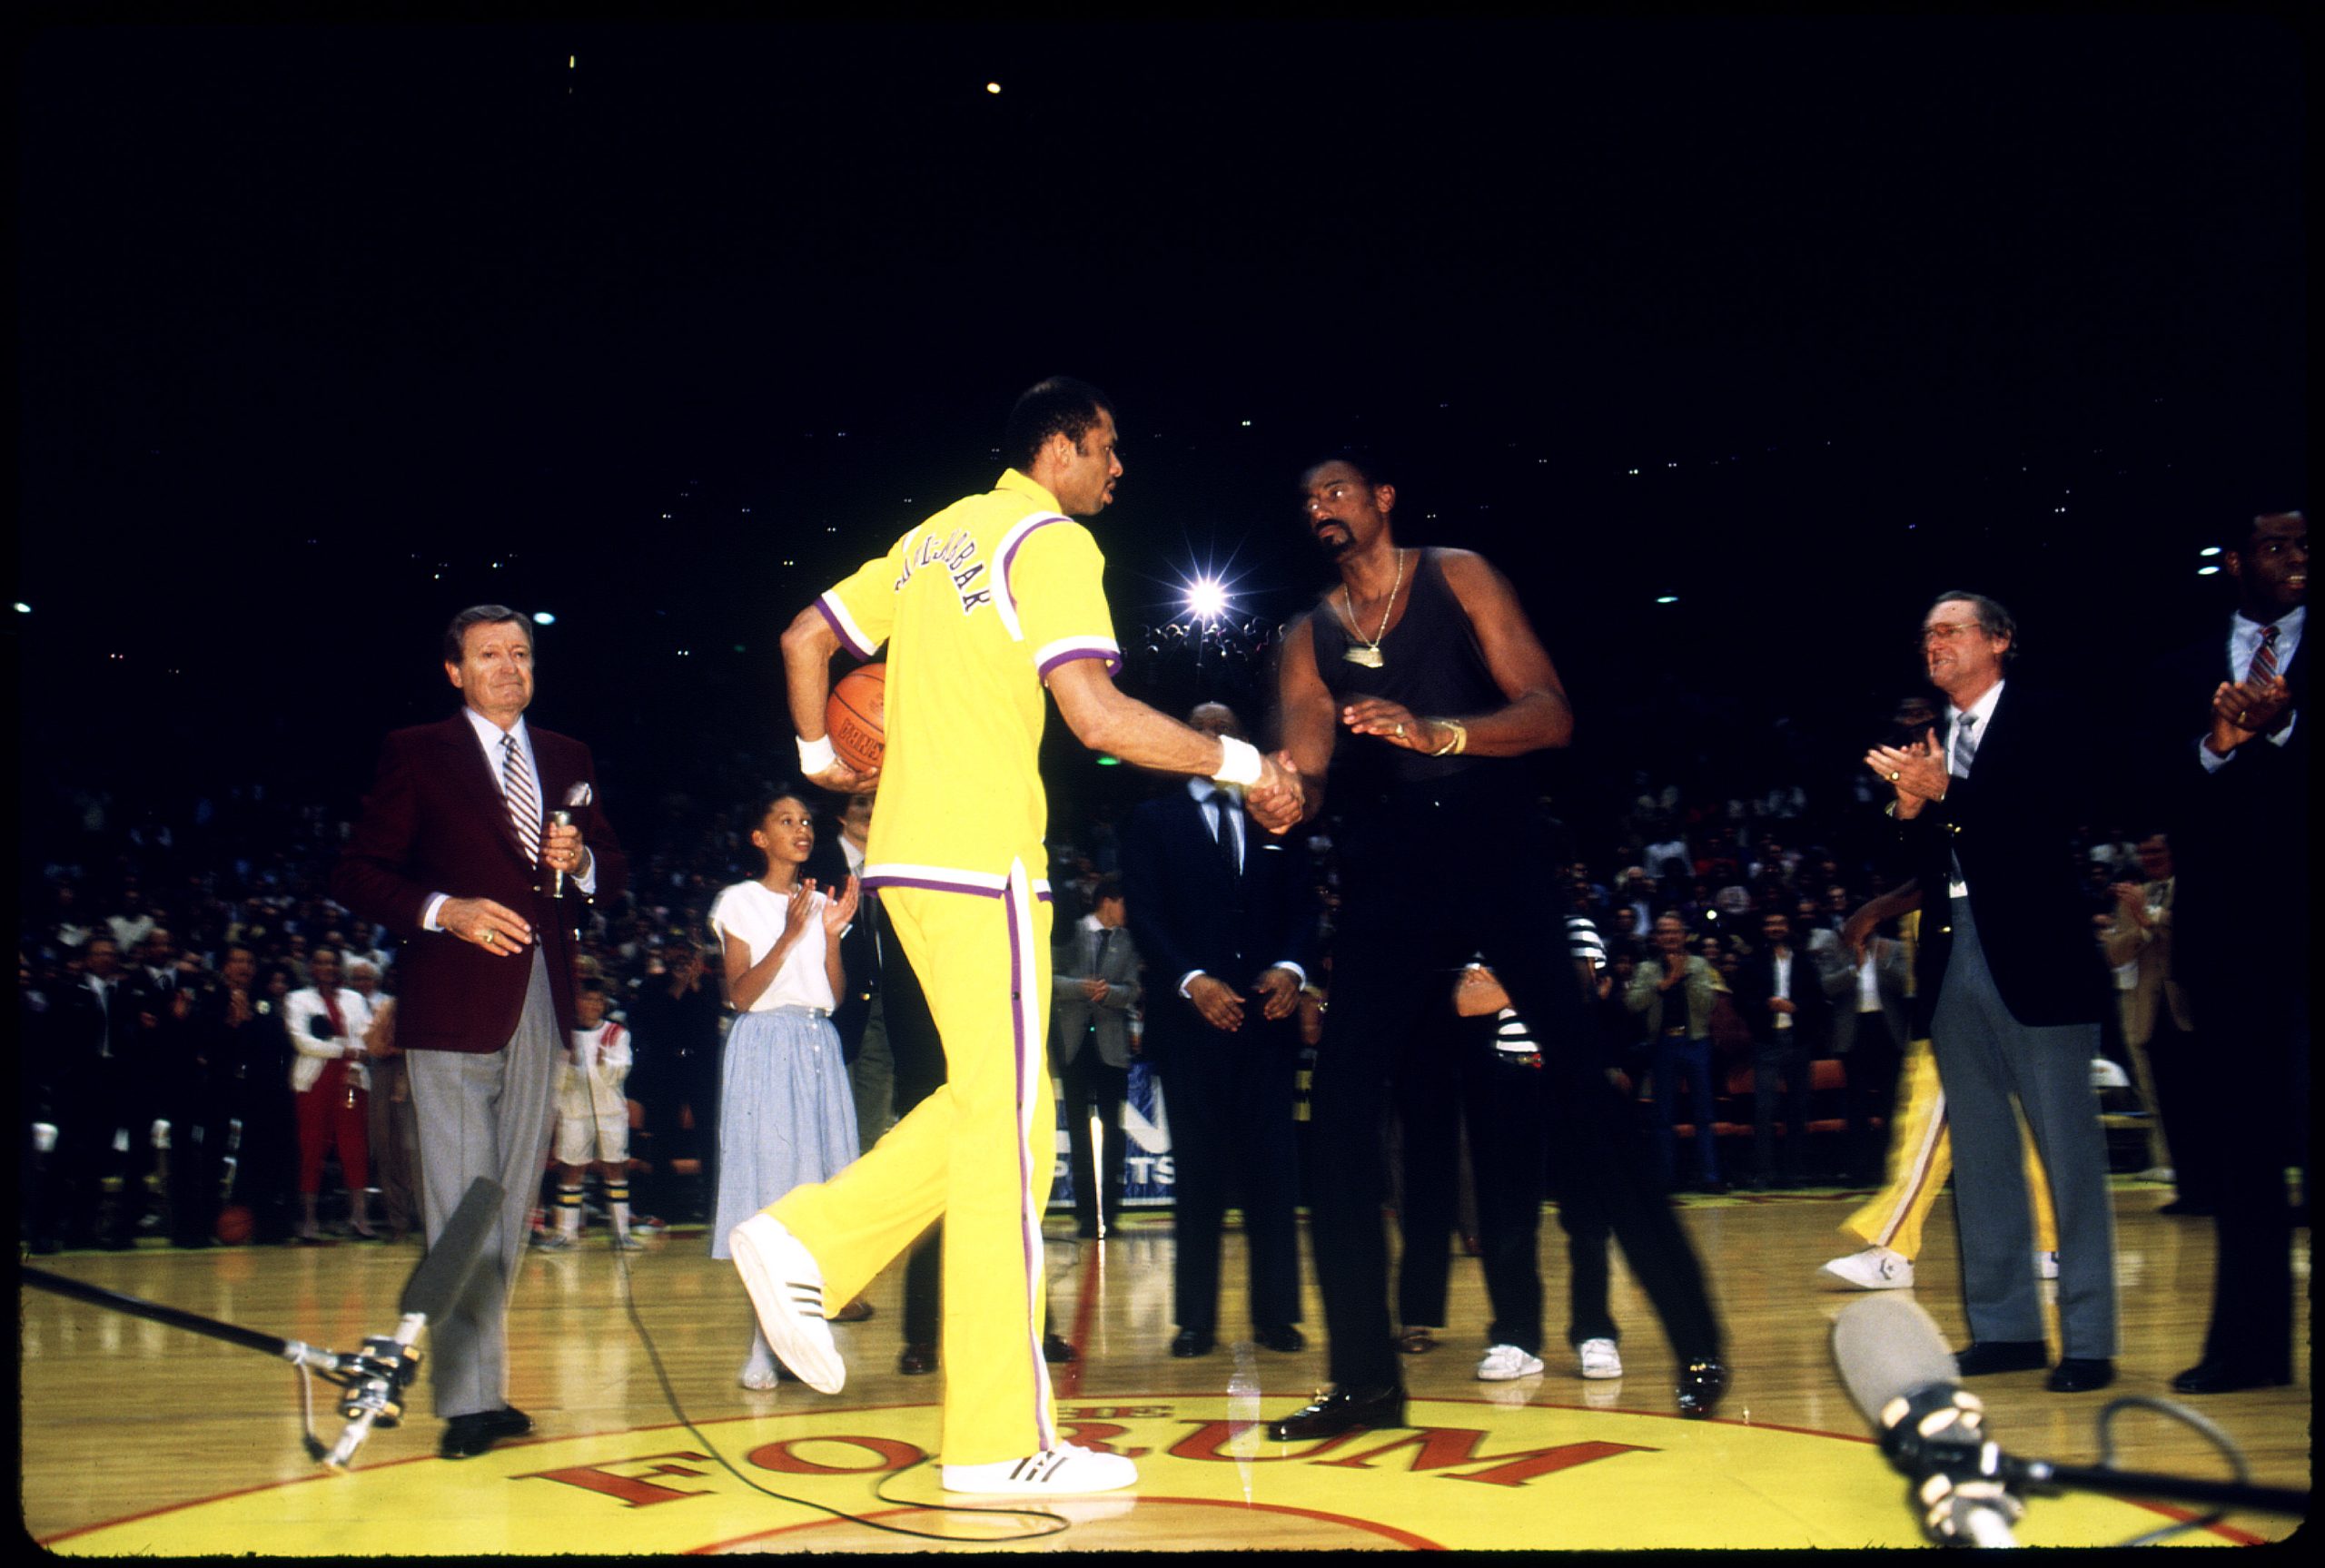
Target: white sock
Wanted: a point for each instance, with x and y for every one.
(568, 1210)
(618, 1202)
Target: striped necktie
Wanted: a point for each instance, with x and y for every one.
(2264, 657)
(1965, 744)
(524, 806)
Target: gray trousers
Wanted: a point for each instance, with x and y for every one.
(1988, 1061)
(485, 1114)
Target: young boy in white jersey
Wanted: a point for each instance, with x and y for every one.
(593, 1121)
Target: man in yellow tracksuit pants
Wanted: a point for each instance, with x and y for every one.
(979, 606)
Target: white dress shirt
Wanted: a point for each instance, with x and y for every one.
(487, 739)
(2243, 646)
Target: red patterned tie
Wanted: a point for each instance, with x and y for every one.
(2264, 658)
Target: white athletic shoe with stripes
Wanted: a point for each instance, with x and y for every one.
(787, 1291)
(1060, 1471)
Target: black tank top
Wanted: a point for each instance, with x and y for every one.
(1430, 662)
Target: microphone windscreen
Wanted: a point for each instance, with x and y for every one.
(1888, 1345)
(436, 1286)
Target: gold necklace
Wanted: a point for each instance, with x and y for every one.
(1361, 652)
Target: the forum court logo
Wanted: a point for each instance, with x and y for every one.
(1515, 1471)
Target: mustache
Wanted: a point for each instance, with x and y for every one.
(1334, 547)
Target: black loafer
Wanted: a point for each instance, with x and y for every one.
(1282, 1337)
(1341, 1410)
(1189, 1343)
(1701, 1383)
(1056, 1351)
(2227, 1378)
(1981, 1356)
(466, 1436)
(2081, 1374)
(917, 1360)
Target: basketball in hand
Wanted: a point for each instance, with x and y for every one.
(855, 717)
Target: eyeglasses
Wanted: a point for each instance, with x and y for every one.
(1945, 632)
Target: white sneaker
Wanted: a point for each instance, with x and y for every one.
(787, 1291)
(1875, 1268)
(1504, 1362)
(2046, 1264)
(1599, 1359)
(1058, 1472)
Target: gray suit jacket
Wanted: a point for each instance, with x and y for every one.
(1891, 968)
(1074, 1014)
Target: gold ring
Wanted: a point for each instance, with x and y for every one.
(2240, 719)
(1401, 730)
(1892, 778)
(487, 937)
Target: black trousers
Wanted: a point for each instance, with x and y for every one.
(1780, 1071)
(1090, 1083)
(1426, 1089)
(1231, 1098)
(1869, 1070)
(2191, 1094)
(1514, 1162)
(1418, 898)
(2253, 1283)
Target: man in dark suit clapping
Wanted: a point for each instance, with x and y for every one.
(2239, 806)
(455, 853)
(1227, 919)
(2009, 990)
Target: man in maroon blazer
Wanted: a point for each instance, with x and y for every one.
(456, 853)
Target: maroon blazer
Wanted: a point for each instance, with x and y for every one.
(433, 823)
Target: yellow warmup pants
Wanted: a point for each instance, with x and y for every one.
(979, 1153)
(1921, 1157)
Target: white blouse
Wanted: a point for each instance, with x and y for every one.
(754, 915)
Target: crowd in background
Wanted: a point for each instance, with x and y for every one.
(152, 906)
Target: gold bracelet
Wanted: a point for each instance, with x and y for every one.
(1457, 744)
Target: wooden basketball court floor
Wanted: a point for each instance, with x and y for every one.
(138, 1438)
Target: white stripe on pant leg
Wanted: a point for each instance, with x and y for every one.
(1924, 1156)
(1032, 1098)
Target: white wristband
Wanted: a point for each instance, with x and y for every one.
(1239, 762)
(816, 755)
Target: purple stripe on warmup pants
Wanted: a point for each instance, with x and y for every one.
(1019, 985)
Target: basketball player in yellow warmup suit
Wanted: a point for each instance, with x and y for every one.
(980, 606)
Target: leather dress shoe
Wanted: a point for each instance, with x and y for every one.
(1284, 1336)
(2080, 1375)
(1341, 1410)
(465, 1436)
(917, 1360)
(1981, 1356)
(1190, 1342)
(2227, 1378)
(1055, 1350)
(1701, 1383)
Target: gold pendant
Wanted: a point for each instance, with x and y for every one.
(1369, 658)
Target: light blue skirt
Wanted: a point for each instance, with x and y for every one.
(787, 1116)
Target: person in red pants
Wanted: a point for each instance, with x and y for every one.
(327, 1024)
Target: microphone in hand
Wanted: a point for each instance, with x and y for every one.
(575, 799)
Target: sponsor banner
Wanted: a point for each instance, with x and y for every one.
(1147, 1180)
